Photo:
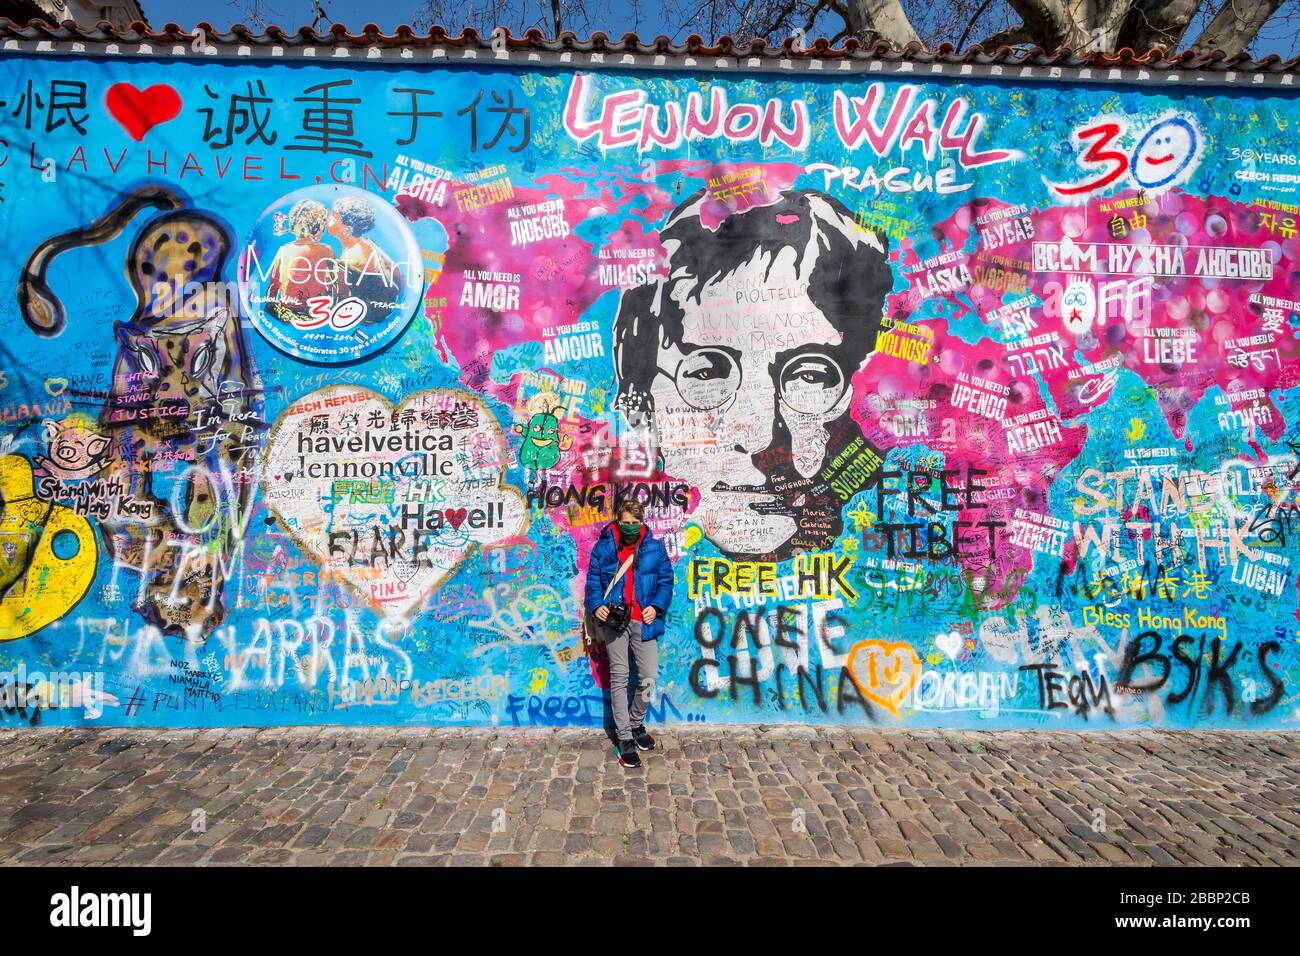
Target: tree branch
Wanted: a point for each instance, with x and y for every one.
(978, 13)
(1011, 36)
(1236, 25)
(744, 21)
(778, 20)
(812, 16)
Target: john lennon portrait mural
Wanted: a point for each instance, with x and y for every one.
(962, 403)
(743, 354)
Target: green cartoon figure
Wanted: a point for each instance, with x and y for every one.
(542, 441)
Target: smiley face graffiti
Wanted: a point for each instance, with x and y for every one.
(1166, 153)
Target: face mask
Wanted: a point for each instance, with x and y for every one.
(630, 530)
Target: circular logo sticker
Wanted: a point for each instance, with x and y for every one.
(331, 274)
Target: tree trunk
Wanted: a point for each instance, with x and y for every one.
(1236, 25)
(1051, 24)
(880, 19)
(1157, 23)
(1102, 22)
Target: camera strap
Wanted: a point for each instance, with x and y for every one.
(621, 571)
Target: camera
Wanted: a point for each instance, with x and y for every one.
(618, 616)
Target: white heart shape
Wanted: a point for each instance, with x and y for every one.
(949, 643)
(395, 497)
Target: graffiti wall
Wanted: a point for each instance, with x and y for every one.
(955, 401)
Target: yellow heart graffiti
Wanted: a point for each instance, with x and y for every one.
(47, 554)
(884, 671)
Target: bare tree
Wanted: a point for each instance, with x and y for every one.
(550, 16)
(1080, 25)
(255, 12)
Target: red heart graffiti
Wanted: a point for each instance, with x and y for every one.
(457, 517)
(141, 110)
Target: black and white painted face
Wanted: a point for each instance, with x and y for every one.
(747, 392)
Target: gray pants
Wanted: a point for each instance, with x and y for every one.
(646, 654)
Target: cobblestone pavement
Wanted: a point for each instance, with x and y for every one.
(755, 796)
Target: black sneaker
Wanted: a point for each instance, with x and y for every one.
(643, 740)
(627, 754)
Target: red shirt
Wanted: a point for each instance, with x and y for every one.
(629, 585)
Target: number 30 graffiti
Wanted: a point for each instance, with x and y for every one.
(1164, 154)
(341, 317)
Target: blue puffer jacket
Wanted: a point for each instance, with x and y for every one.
(653, 578)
